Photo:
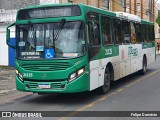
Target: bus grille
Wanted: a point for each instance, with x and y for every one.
(33, 85)
(46, 66)
(54, 85)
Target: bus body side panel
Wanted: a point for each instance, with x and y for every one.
(149, 50)
(99, 62)
(126, 61)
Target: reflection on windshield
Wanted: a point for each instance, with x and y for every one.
(38, 41)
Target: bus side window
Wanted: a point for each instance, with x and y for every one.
(138, 32)
(117, 28)
(133, 33)
(126, 31)
(145, 33)
(96, 42)
(151, 35)
(106, 30)
(93, 29)
(94, 39)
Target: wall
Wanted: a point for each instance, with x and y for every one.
(48, 1)
(4, 56)
(17, 4)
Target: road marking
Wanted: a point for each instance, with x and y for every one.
(120, 90)
(109, 95)
(132, 83)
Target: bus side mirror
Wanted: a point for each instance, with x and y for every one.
(8, 36)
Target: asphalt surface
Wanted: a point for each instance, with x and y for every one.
(132, 93)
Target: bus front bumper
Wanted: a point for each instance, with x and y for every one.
(80, 84)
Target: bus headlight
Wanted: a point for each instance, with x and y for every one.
(72, 76)
(76, 74)
(80, 71)
(16, 72)
(20, 76)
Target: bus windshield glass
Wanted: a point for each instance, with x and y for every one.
(50, 40)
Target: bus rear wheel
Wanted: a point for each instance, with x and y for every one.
(107, 81)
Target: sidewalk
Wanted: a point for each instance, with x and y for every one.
(7, 80)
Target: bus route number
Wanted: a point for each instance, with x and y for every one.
(108, 51)
(27, 75)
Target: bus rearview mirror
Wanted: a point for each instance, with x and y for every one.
(8, 36)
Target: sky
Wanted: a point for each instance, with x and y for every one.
(158, 1)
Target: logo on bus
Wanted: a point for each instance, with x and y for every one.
(108, 51)
(132, 51)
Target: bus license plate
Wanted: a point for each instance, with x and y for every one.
(44, 86)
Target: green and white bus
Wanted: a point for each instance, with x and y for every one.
(68, 48)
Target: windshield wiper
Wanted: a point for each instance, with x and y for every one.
(61, 25)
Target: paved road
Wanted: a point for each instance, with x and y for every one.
(132, 93)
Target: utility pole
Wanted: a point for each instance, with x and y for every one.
(130, 6)
(153, 6)
(151, 10)
(88, 2)
(141, 9)
(99, 3)
(124, 5)
(135, 7)
(108, 7)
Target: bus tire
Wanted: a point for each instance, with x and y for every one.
(144, 66)
(107, 81)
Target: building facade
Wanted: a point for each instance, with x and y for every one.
(143, 8)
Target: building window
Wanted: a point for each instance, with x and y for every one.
(122, 3)
(105, 4)
(70, 1)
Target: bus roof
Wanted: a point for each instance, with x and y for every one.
(99, 10)
(128, 16)
(147, 22)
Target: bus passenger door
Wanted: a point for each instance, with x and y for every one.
(94, 45)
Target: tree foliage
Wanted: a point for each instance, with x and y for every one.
(158, 18)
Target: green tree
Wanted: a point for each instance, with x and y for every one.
(158, 18)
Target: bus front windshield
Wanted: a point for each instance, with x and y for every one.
(50, 40)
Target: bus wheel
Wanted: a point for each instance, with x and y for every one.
(107, 81)
(144, 66)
